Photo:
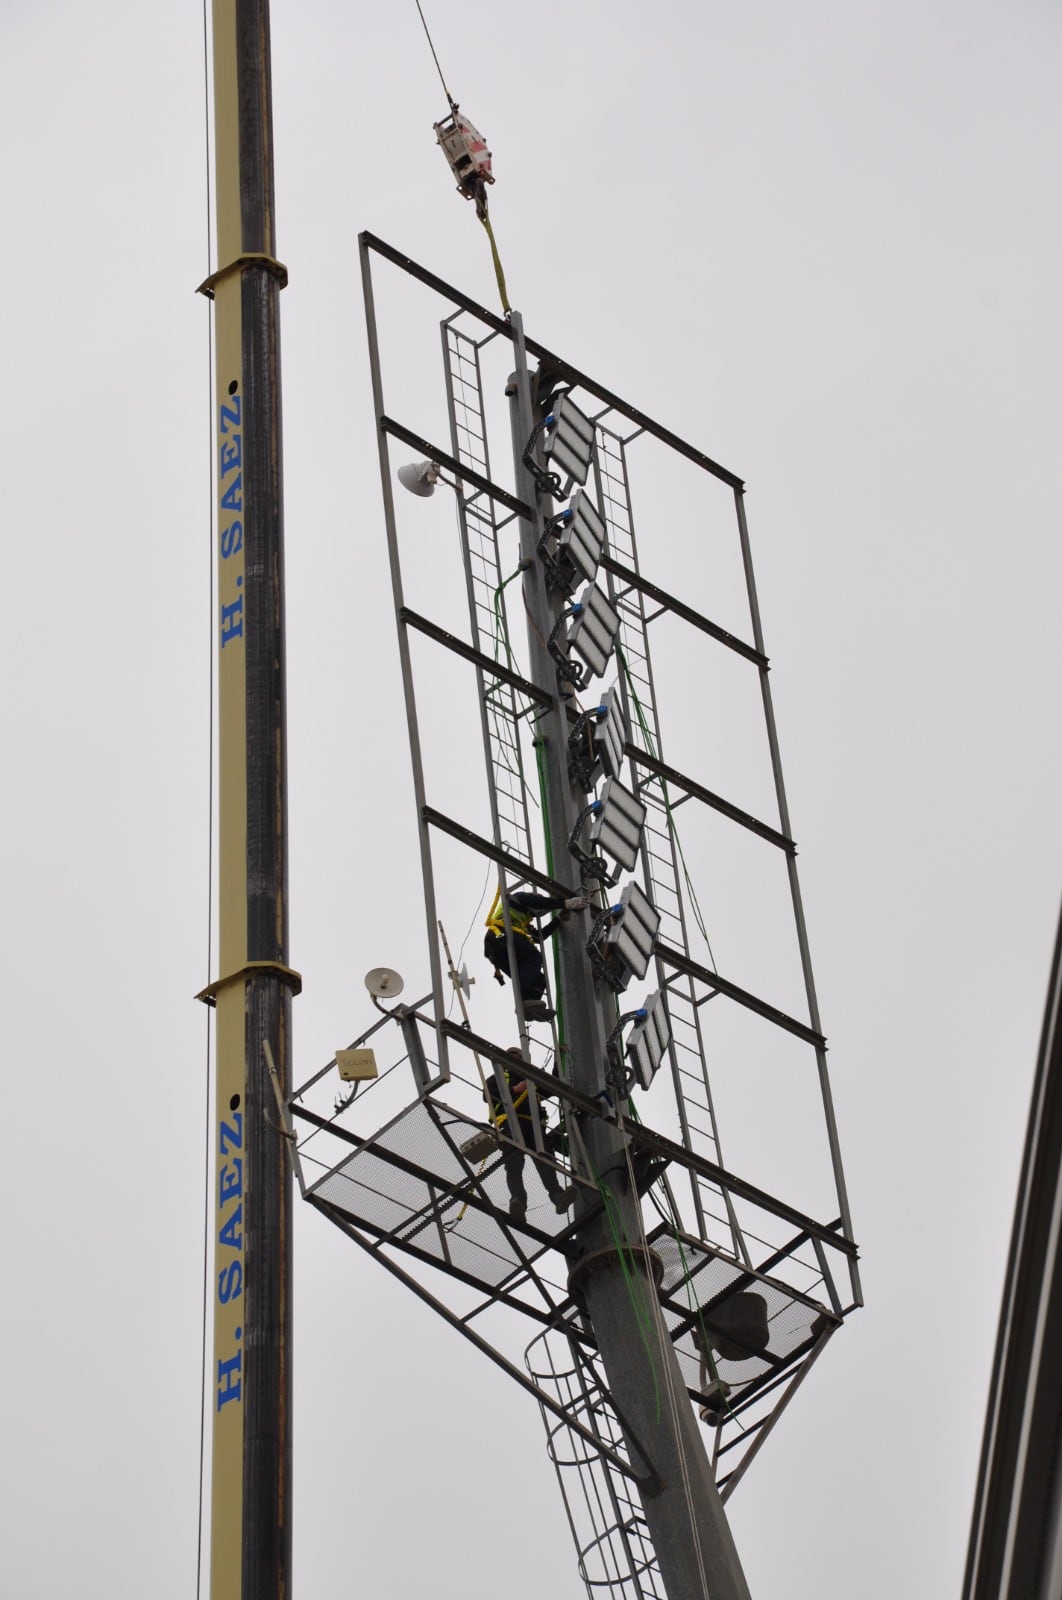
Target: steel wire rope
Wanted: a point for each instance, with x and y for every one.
(207, 1140)
(481, 199)
(431, 47)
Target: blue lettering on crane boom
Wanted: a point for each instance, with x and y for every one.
(230, 1237)
(230, 486)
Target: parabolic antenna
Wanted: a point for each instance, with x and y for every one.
(383, 982)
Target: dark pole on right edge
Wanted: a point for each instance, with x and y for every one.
(690, 1533)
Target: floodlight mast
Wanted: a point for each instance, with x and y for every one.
(249, 1383)
(691, 1536)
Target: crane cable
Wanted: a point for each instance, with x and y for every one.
(431, 47)
(481, 189)
(208, 1143)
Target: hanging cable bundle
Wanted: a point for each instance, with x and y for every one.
(469, 159)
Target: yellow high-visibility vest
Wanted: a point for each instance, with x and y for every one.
(520, 920)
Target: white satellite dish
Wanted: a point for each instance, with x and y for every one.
(383, 983)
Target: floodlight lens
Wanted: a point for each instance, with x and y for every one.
(594, 631)
(583, 535)
(570, 441)
(618, 821)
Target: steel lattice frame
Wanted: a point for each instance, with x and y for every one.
(405, 1192)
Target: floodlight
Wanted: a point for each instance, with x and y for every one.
(617, 826)
(648, 1040)
(594, 631)
(635, 923)
(419, 477)
(737, 1327)
(581, 536)
(569, 441)
(597, 741)
(610, 734)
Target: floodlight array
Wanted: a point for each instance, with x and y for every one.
(648, 1040)
(619, 818)
(569, 441)
(597, 741)
(594, 631)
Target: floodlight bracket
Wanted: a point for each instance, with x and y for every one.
(590, 866)
(568, 671)
(546, 482)
(620, 1079)
(604, 962)
(584, 767)
(561, 571)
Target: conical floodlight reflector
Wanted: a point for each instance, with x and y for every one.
(737, 1327)
(419, 477)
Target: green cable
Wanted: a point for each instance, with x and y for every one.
(540, 763)
(544, 802)
(502, 631)
(641, 1316)
(501, 636)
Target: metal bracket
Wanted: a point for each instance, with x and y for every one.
(286, 975)
(253, 258)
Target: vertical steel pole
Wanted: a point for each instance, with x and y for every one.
(613, 1275)
(251, 1374)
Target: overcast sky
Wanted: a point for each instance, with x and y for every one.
(823, 243)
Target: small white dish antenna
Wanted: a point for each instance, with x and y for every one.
(462, 981)
(383, 983)
(419, 477)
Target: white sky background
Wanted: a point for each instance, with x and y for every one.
(821, 242)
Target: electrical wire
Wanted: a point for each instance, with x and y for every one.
(622, 1246)
(468, 934)
(668, 808)
(207, 1140)
(501, 634)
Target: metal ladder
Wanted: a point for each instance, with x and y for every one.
(502, 707)
(616, 1554)
(662, 857)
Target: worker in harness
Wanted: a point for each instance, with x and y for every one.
(524, 907)
(513, 1154)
